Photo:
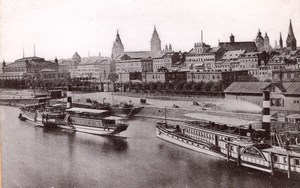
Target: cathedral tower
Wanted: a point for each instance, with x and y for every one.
(118, 48)
(155, 42)
(259, 41)
(291, 42)
(76, 59)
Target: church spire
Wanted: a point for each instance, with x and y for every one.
(155, 42)
(291, 42)
(280, 41)
(118, 47)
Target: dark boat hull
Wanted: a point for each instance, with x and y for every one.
(130, 112)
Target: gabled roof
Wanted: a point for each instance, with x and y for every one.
(230, 46)
(233, 54)
(214, 49)
(292, 88)
(246, 87)
(30, 59)
(17, 64)
(287, 88)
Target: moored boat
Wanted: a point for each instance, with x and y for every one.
(92, 121)
(124, 109)
(244, 142)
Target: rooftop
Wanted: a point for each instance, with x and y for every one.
(247, 46)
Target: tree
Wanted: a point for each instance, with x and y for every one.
(208, 86)
(187, 86)
(179, 85)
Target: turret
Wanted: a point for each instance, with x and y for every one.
(170, 48)
(259, 41)
(56, 63)
(166, 48)
(231, 38)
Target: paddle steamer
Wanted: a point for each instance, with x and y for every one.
(243, 142)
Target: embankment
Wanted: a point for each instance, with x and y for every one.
(177, 114)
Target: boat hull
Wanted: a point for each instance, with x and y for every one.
(29, 116)
(186, 143)
(126, 111)
(89, 129)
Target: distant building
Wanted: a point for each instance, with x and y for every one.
(164, 61)
(155, 42)
(26, 68)
(259, 41)
(248, 46)
(291, 42)
(286, 76)
(284, 96)
(118, 48)
(204, 61)
(232, 76)
(204, 76)
(229, 61)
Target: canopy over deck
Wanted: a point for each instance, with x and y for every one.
(85, 110)
(114, 118)
(233, 122)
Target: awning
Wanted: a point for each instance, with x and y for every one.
(114, 118)
(85, 110)
(220, 119)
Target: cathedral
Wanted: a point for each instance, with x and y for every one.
(263, 43)
(155, 48)
(291, 42)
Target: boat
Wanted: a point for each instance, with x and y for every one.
(37, 113)
(247, 143)
(92, 121)
(125, 109)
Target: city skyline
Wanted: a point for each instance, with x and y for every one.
(58, 29)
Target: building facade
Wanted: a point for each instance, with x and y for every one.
(26, 68)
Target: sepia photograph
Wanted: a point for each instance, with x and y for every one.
(149, 93)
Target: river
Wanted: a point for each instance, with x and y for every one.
(38, 157)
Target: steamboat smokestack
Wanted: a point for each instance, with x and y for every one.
(266, 122)
(69, 97)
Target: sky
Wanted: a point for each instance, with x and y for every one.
(58, 28)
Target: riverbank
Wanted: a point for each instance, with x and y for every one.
(155, 107)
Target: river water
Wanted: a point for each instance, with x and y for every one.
(37, 157)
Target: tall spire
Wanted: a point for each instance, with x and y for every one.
(118, 47)
(280, 41)
(23, 53)
(291, 42)
(291, 32)
(155, 42)
(201, 37)
(34, 50)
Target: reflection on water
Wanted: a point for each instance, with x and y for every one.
(39, 157)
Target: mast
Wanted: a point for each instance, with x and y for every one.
(165, 115)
